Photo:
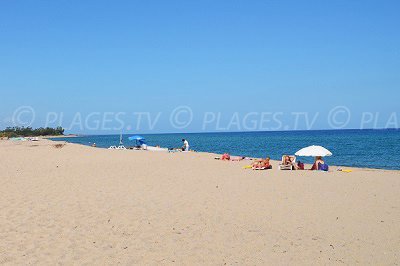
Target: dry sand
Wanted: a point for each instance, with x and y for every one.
(81, 205)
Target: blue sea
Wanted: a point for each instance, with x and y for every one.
(355, 148)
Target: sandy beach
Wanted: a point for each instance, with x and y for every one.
(88, 206)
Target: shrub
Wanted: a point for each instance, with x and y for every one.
(30, 132)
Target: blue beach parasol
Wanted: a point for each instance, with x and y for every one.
(139, 140)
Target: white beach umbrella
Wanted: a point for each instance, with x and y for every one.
(314, 151)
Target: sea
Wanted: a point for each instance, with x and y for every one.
(379, 149)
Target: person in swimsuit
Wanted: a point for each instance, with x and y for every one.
(318, 161)
(262, 164)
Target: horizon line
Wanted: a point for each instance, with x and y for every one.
(221, 132)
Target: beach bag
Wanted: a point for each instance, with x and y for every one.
(323, 167)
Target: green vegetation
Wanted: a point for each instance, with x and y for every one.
(12, 132)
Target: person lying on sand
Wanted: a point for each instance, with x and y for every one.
(237, 158)
(227, 157)
(318, 160)
(262, 164)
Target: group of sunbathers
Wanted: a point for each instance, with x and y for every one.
(290, 161)
(263, 164)
(259, 164)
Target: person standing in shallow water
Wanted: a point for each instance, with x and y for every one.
(185, 145)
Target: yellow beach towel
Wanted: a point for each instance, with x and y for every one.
(347, 170)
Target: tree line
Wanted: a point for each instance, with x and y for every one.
(12, 132)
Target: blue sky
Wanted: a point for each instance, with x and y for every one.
(212, 56)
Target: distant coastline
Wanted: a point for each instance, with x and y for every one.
(62, 136)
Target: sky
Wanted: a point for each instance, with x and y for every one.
(193, 66)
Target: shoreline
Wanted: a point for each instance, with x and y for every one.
(276, 162)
